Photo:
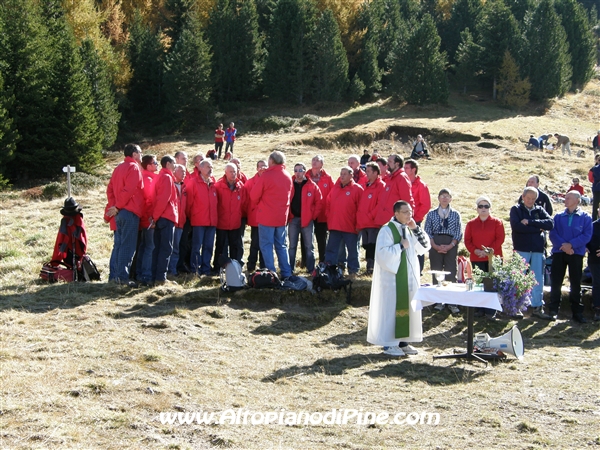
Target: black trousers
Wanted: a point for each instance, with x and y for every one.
(185, 248)
(321, 236)
(235, 247)
(560, 262)
(255, 253)
(444, 261)
(595, 204)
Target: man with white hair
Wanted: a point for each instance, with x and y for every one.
(358, 175)
(528, 222)
(572, 231)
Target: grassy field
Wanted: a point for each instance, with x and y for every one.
(93, 365)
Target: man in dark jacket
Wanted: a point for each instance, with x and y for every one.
(528, 222)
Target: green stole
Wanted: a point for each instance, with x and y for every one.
(402, 302)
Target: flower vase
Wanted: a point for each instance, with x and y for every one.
(488, 285)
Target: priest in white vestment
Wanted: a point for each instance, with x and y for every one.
(383, 328)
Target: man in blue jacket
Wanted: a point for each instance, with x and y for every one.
(572, 231)
(528, 222)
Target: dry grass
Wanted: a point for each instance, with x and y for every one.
(92, 365)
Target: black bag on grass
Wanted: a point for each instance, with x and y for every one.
(264, 278)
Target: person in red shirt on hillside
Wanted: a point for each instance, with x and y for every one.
(145, 242)
(230, 200)
(179, 174)
(342, 206)
(576, 187)
(397, 187)
(165, 215)
(219, 139)
(126, 190)
(358, 175)
(421, 196)
(365, 217)
(483, 233)
(250, 213)
(318, 175)
(305, 205)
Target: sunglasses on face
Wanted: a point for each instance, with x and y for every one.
(483, 206)
(298, 170)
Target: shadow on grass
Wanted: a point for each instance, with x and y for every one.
(405, 369)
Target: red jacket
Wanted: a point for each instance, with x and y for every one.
(148, 190)
(578, 188)
(342, 207)
(420, 193)
(182, 204)
(166, 204)
(360, 177)
(272, 193)
(229, 206)
(127, 184)
(241, 176)
(249, 206)
(219, 135)
(365, 217)
(311, 202)
(202, 201)
(489, 232)
(397, 187)
(325, 186)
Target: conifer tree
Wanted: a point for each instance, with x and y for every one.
(582, 43)
(549, 62)
(8, 135)
(418, 72)
(103, 96)
(177, 14)
(467, 59)
(146, 54)
(72, 134)
(464, 14)
(330, 73)
(519, 8)
(290, 56)
(498, 31)
(187, 78)
(369, 71)
(514, 91)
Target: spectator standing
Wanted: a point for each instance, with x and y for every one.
(365, 158)
(543, 200)
(342, 206)
(305, 206)
(271, 193)
(596, 142)
(318, 175)
(126, 188)
(250, 212)
(421, 197)
(397, 187)
(230, 202)
(145, 242)
(594, 178)
(358, 175)
(367, 209)
(570, 235)
(219, 137)
(594, 264)
(230, 133)
(179, 174)
(166, 215)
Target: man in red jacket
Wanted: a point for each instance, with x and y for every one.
(397, 187)
(145, 242)
(179, 174)
(358, 175)
(272, 193)
(325, 183)
(126, 190)
(365, 217)
(342, 206)
(305, 206)
(230, 200)
(203, 215)
(165, 215)
(421, 196)
(250, 212)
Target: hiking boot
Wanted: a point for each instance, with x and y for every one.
(454, 309)
(393, 351)
(538, 311)
(409, 350)
(439, 306)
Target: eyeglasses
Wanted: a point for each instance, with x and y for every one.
(155, 163)
(299, 170)
(445, 196)
(483, 206)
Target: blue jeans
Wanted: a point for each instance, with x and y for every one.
(350, 240)
(125, 244)
(274, 237)
(536, 265)
(294, 230)
(202, 238)
(164, 232)
(175, 255)
(143, 269)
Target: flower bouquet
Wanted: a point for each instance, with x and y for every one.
(512, 279)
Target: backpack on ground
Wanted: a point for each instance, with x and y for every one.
(264, 278)
(294, 283)
(54, 271)
(89, 270)
(232, 277)
(329, 276)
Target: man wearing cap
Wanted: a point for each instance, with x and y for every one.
(394, 321)
(126, 189)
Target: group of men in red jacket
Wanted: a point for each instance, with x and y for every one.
(278, 207)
